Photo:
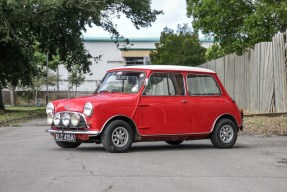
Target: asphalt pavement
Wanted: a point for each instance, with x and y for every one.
(31, 161)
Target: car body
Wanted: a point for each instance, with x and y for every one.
(148, 103)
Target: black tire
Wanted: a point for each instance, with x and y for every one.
(117, 137)
(68, 144)
(224, 134)
(174, 142)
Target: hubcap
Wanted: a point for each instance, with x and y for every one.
(226, 133)
(120, 137)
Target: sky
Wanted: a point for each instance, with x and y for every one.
(174, 14)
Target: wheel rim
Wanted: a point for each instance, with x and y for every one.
(120, 136)
(226, 133)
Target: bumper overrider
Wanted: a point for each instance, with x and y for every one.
(70, 123)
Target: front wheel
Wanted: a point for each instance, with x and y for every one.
(117, 137)
(68, 144)
(224, 134)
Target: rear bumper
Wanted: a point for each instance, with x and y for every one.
(91, 133)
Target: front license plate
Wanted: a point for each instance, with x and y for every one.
(68, 137)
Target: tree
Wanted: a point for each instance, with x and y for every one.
(57, 26)
(237, 25)
(76, 78)
(178, 48)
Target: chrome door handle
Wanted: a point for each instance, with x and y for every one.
(184, 101)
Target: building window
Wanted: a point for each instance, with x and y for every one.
(134, 61)
(115, 62)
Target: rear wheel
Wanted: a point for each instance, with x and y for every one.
(117, 136)
(174, 142)
(68, 144)
(224, 134)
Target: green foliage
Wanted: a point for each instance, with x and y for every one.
(214, 52)
(57, 25)
(178, 48)
(237, 25)
(76, 77)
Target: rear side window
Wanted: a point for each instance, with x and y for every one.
(165, 84)
(202, 85)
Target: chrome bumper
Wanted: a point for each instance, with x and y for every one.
(92, 133)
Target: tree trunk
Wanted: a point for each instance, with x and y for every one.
(13, 95)
(35, 96)
(1, 100)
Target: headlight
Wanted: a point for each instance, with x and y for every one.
(50, 118)
(75, 119)
(57, 119)
(88, 109)
(66, 119)
(50, 108)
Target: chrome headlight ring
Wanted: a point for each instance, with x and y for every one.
(66, 119)
(75, 119)
(50, 108)
(88, 109)
(50, 118)
(57, 119)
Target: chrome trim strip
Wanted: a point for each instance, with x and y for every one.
(180, 134)
(114, 117)
(213, 126)
(93, 133)
(120, 116)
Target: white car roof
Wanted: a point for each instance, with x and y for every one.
(168, 68)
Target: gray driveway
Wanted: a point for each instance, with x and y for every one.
(31, 161)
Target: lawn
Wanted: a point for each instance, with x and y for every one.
(265, 126)
(13, 115)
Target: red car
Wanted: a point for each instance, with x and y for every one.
(148, 103)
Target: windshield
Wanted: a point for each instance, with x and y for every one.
(122, 81)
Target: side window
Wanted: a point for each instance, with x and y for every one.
(202, 85)
(165, 84)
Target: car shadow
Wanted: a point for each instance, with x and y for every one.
(156, 146)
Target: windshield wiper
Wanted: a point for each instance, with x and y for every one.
(104, 91)
(111, 91)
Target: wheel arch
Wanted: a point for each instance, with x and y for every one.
(126, 119)
(225, 116)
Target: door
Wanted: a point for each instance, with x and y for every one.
(163, 105)
(205, 101)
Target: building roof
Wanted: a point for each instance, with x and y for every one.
(134, 39)
(131, 39)
(167, 68)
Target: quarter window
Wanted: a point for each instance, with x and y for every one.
(202, 85)
(165, 84)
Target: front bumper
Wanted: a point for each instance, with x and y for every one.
(81, 132)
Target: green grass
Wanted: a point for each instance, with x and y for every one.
(265, 126)
(14, 115)
(24, 108)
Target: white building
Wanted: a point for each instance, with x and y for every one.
(137, 53)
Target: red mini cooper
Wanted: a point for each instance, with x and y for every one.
(148, 103)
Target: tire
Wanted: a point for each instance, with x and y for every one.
(68, 144)
(224, 134)
(117, 137)
(174, 142)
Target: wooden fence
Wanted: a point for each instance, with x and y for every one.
(257, 79)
